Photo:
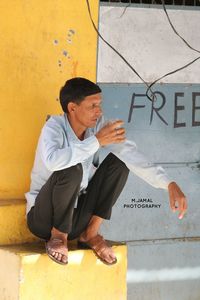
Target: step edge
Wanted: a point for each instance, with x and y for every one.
(10, 202)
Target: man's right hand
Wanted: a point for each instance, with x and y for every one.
(112, 133)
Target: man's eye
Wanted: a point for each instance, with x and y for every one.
(93, 106)
(96, 105)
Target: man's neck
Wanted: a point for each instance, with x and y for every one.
(78, 129)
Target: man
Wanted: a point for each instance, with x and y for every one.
(70, 195)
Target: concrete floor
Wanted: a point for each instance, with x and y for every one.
(164, 269)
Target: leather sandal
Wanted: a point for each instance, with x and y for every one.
(55, 243)
(98, 245)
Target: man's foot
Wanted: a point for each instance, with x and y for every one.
(57, 251)
(56, 247)
(100, 247)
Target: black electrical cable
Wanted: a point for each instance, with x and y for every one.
(187, 44)
(170, 73)
(170, 22)
(152, 97)
(119, 54)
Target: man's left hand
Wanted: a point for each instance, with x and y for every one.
(177, 199)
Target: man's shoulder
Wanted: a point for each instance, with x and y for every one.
(55, 120)
(54, 123)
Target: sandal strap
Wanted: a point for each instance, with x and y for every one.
(98, 244)
(54, 242)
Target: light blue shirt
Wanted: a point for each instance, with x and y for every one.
(59, 148)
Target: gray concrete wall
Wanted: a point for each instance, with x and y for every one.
(176, 149)
(155, 267)
(145, 38)
(163, 251)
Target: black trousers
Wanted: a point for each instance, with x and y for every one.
(54, 205)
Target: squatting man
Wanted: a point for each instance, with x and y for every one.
(71, 193)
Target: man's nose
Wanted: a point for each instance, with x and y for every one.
(98, 111)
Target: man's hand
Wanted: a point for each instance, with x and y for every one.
(177, 199)
(111, 133)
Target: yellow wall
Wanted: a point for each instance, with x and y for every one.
(31, 77)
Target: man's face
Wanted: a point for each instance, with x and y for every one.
(88, 111)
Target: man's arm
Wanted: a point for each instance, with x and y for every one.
(154, 175)
(57, 156)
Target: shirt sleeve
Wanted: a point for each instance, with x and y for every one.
(138, 164)
(56, 155)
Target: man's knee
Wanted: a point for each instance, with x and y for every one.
(73, 174)
(118, 164)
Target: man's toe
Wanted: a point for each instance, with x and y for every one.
(59, 257)
(113, 257)
(64, 259)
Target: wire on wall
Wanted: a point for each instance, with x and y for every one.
(119, 54)
(187, 44)
(152, 96)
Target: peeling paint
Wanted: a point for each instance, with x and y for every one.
(65, 52)
(55, 42)
(72, 31)
(60, 63)
(75, 65)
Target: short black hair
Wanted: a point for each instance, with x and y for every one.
(75, 90)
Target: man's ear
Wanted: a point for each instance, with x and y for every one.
(71, 107)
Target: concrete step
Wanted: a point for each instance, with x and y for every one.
(13, 228)
(28, 273)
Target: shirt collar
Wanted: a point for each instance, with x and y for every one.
(71, 132)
